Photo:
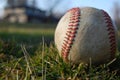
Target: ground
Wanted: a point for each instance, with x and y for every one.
(28, 52)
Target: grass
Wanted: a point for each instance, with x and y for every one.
(46, 64)
(27, 33)
(29, 53)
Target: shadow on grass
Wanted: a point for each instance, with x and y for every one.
(10, 43)
(115, 66)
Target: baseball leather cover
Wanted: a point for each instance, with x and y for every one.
(86, 35)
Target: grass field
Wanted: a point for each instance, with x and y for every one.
(27, 52)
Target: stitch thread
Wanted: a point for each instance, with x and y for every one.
(70, 33)
(111, 34)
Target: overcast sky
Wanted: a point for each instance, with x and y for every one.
(64, 5)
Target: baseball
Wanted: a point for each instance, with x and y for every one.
(86, 35)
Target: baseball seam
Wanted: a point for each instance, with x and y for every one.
(111, 34)
(70, 33)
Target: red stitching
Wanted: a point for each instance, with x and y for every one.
(111, 34)
(73, 28)
(73, 24)
(75, 20)
(70, 33)
(69, 38)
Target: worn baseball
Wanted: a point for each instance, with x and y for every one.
(86, 35)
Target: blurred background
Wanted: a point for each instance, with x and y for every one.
(25, 11)
(32, 22)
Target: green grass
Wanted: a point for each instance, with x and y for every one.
(27, 52)
(46, 64)
(27, 33)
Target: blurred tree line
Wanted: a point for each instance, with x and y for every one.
(116, 14)
(22, 11)
(52, 4)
